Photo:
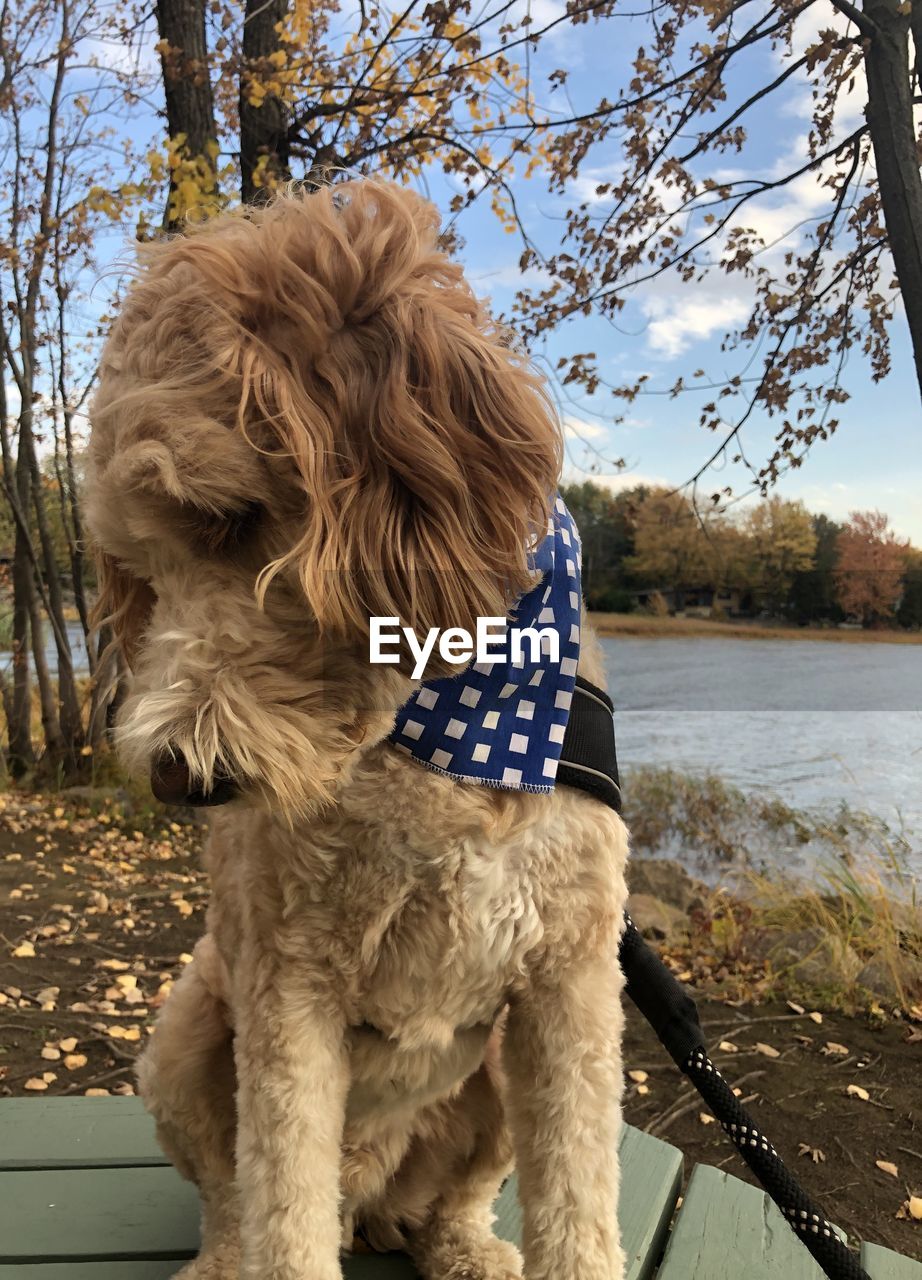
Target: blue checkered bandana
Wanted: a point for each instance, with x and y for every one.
(501, 723)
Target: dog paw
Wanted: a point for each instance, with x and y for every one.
(216, 1266)
(483, 1259)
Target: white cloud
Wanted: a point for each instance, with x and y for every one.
(680, 314)
(579, 429)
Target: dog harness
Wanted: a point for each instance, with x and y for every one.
(503, 723)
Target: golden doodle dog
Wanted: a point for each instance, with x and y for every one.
(407, 985)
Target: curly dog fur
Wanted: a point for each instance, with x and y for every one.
(304, 418)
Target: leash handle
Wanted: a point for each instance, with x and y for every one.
(673, 1015)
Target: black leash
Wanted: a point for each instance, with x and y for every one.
(589, 762)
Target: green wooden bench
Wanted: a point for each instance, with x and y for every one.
(86, 1194)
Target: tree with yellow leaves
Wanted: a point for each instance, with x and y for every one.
(781, 543)
(64, 177)
(672, 547)
(283, 91)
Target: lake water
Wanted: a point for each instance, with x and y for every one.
(816, 723)
(812, 722)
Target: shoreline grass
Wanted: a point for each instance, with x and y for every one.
(822, 906)
(648, 626)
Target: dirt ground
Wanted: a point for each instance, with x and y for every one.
(98, 914)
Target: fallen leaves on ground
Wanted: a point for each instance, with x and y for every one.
(831, 1049)
(911, 1208)
(100, 912)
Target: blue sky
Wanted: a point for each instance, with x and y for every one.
(671, 329)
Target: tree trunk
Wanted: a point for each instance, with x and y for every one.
(890, 121)
(21, 755)
(71, 730)
(263, 127)
(16, 693)
(187, 84)
(73, 527)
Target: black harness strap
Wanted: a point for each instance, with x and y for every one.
(589, 762)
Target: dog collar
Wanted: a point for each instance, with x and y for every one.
(502, 723)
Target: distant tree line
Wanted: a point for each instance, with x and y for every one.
(653, 549)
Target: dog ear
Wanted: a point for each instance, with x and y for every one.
(123, 603)
(427, 449)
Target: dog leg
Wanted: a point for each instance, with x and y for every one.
(186, 1078)
(292, 1073)
(468, 1157)
(562, 1052)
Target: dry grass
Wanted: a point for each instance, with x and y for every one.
(845, 934)
(862, 933)
(668, 628)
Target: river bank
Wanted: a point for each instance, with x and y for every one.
(651, 627)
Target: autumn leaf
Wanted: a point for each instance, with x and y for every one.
(768, 1050)
(887, 1166)
(856, 1091)
(815, 1154)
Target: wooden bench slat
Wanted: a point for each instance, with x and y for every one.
(884, 1264)
(727, 1229)
(57, 1214)
(93, 1160)
(380, 1267)
(88, 1270)
(76, 1133)
(651, 1179)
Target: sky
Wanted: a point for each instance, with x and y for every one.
(669, 329)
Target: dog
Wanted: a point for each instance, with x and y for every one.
(408, 985)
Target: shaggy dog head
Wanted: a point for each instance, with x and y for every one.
(304, 418)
